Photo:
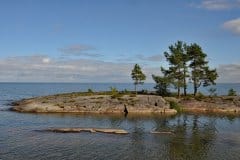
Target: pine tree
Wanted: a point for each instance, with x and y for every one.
(162, 85)
(138, 76)
(200, 72)
(178, 70)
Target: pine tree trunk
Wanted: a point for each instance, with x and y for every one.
(178, 92)
(195, 88)
(179, 82)
(185, 85)
(185, 90)
(136, 89)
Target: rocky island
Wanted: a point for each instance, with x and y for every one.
(95, 103)
(106, 102)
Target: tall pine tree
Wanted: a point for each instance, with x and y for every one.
(201, 74)
(178, 70)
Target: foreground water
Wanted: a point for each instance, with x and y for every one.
(196, 136)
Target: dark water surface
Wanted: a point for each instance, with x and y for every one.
(196, 136)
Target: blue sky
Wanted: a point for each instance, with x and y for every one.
(101, 40)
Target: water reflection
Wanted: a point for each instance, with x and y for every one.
(192, 141)
(195, 137)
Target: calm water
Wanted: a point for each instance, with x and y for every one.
(196, 136)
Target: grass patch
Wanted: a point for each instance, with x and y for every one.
(200, 96)
(120, 99)
(229, 98)
(72, 101)
(44, 102)
(132, 95)
(60, 105)
(117, 95)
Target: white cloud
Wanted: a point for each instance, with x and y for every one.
(44, 69)
(141, 57)
(229, 73)
(218, 4)
(152, 58)
(33, 69)
(233, 26)
(79, 50)
(46, 60)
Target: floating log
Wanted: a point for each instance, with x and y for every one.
(91, 130)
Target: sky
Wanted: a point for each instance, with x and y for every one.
(101, 40)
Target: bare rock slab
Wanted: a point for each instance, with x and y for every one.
(71, 103)
(91, 130)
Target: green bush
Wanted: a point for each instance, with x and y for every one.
(176, 106)
(132, 95)
(113, 90)
(212, 91)
(199, 96)
(115, 93)
(144, 91)
(232, 92)
(90, 90)
(126, 91)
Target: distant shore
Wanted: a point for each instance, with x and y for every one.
(106, 102)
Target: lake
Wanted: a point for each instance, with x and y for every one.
(195, 137)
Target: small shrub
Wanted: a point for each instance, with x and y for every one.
(117, 95)
(72, 101)
(175, 105)
(100, 97)
(199, 96)
(232, 92)
(113, 90)
(212, 91)
(229, 98)
(144, 91)
(188, 97)
(60, 105)
(126, 91)
(132, 95)
(120, 98)
(90, 90)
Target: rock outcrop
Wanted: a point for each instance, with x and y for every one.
(222, 104)
(95, 104)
